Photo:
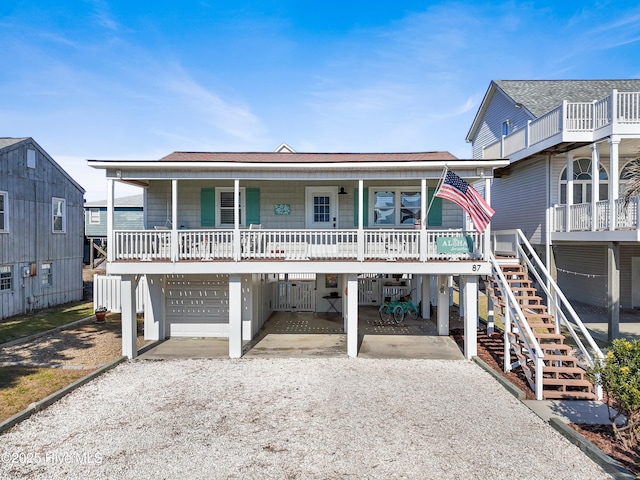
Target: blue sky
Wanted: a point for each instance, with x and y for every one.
(127, 79)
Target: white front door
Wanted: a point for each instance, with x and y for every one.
(322, 207)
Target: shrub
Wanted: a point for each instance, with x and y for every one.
(619, 375)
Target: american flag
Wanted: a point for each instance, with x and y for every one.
(460, 192)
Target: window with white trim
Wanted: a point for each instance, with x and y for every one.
(4, 224)
(94, 216)
(59, 219)
(582, 183)
(395, 207)
(225, 206)
(6, 279)
(46, 273)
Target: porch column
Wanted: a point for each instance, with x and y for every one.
(443, 305)
(487, 230)
(360, 220)
(424, 213)
(174, 220)
(110, 240)
(471, 316)
(461, 305)
(613, 294)
(236, 220)
(569, 199)
(352, 312)
(235, 316)
(128, 316)
(614, 142)
(595, 184)
(154, 313)
(425, 296)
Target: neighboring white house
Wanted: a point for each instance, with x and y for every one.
(221, 228)
(41, 230)
(569, 143)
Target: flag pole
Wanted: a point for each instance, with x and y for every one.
(444, 174)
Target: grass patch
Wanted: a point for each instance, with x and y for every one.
(21, 386)
(20, 326)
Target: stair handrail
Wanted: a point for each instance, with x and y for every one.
(530, 341)
(539, 267)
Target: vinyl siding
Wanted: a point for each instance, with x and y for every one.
(582, 272)
(30, 239)
(519, 200)
(627, 251)
(499, 110)
(271, 193)
(124, 218)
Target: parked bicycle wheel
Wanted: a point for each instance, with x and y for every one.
(412, 312)
(385, 312)
(398, 314)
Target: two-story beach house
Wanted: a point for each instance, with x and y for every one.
(223, 229)
(570, 144)
(41, 230)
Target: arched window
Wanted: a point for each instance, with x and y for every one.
(630, 170)
(582, 182)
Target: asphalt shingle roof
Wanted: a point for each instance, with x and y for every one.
(542, 96)
(7, 142)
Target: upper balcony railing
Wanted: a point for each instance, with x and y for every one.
(580, 216)
(571, 121)
(276, 245)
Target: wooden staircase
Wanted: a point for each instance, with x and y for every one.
(563, 378)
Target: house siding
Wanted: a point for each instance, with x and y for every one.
(30, 241)
(582, 272)
(271, 193)
(627, 252)
(500, 109)
(519, 200)
(124, 218)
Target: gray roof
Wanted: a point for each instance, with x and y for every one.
(130, 201)
(7, 141)
(542, 96)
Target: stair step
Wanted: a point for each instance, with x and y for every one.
(550, 327)
(549, 347)
(558, 372)
(567, 382)
(549, 336)
(551, 359)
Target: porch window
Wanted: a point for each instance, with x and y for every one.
(582, 184)
(59, 219)
(3, 212)
(395, 207)
(321, 208)
(5, 278)
(225, 206)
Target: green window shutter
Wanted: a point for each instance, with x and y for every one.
(365, 216)
(253, 206)
(435, 212)
(208, 207)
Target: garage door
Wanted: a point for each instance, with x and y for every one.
(197, 305)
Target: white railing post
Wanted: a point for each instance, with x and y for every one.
(527, 138)
(614, 109)
(111, 239)
(174, 221)
(569, 189)
(563, 117)
(539, 364)
(360, 235)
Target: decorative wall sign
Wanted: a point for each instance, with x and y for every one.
(461, 244)
(331, 280)
(282, 209)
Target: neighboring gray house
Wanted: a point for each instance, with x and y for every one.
(567, 139)
(41, 230)
(128, 215)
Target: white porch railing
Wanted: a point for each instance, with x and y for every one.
(581, 218)
(266, 245)
(569, 119)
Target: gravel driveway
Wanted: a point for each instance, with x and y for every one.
(291, 418)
